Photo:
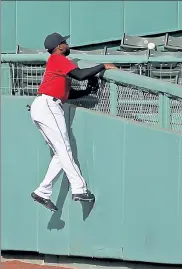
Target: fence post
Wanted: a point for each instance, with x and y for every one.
(113, 98)
(164, 111)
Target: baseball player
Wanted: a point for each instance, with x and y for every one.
(48, 115)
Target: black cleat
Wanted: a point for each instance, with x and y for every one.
(45, 202)
(85, 197)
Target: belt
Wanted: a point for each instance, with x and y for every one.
(56, 100)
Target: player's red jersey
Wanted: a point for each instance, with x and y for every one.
(55, 82)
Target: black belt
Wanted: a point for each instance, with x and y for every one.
(53, 98)
(58, 101)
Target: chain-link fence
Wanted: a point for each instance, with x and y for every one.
(126, 100)
(131, 102)
(176, 115)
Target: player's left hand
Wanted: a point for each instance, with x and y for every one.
(92, 85)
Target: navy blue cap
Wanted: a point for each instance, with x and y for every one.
(53, 40)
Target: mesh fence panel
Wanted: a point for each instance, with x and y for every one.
(137, 104)
(176, 115)
(132, 102)
(98, 101)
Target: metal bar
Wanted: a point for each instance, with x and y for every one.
(164, 111)
(138, 102)
(94, 57)
(86, 57)
(113, 99)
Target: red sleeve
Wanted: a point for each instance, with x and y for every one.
(66, 65)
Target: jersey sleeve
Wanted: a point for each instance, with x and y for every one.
(66, 65)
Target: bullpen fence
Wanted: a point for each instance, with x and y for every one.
(117, 92)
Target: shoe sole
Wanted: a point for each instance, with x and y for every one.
(53, 210)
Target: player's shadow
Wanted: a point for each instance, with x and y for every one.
(56, 222)
(86, 206)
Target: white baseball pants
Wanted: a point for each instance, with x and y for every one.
(49, 118)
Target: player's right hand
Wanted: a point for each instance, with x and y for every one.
(110, 66)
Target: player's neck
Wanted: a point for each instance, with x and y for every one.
(57, 52)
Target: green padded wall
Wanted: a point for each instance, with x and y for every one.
(95, 21)
(180, 15)
(19, 174)
(8, 26)
(87, 22)
(150, 17)
(134, 170)
(152, 219)
(28, 22)
(37, 19)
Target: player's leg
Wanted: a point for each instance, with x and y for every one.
(43, 193)
(55, 129)
(45, 188)
(61, 144)
(52, 123)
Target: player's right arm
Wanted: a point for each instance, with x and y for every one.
(67, 67)
(85, 73)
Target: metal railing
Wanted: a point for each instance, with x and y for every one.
(119, 93)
